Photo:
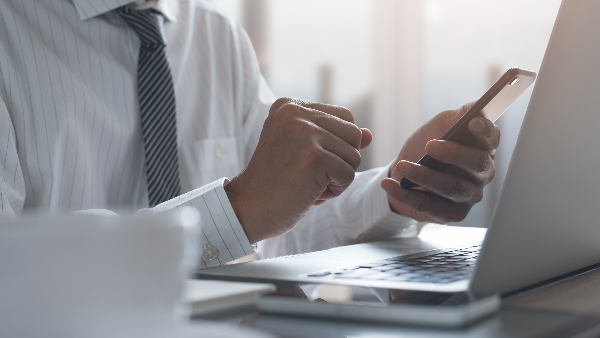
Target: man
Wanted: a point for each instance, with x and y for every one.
(88, 91)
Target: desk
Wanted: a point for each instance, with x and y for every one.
(570, 308)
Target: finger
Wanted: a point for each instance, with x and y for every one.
(339, 173)
(487, 132)
(347, 131)
(433, 206)
(337, 120)
(326, 195)
(447, 185)
(343, 129)
(473, 160)
(320, 201)
(337, 111)
(339, 147)
(366, 139)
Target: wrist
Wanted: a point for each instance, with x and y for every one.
(240, 203)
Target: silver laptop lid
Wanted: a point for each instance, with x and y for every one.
(547, 220)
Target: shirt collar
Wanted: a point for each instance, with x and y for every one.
(88, 9)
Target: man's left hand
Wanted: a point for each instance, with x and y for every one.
(448, 196)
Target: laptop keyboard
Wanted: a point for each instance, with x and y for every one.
(446, 267)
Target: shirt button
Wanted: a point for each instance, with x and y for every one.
(219, 152)
(210, 253)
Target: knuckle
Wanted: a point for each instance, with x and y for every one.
(340, 112)
(348, 176)
(356, 159)
(345, 114)
(356, 132)
(278, 104)
(299, 128)
(285, 114)
(355, 135)
(289, 108)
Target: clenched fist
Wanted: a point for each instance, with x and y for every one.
(307, 153)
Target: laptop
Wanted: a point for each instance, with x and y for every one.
(546, 222)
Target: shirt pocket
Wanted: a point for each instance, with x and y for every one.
(208, 160)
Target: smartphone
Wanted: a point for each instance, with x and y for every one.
(491, 106)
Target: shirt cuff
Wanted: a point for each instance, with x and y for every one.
(377, 210)
(222, 238)
(6, 210)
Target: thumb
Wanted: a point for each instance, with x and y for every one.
(367, 138)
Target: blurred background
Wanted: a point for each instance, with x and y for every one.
(397, 63)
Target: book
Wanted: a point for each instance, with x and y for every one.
(206, 296)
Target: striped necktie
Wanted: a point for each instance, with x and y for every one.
(157, 105)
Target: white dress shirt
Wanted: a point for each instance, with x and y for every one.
(70, 135)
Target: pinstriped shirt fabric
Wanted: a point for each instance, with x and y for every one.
(70, 129)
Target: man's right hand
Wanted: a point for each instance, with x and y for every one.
(307, 153)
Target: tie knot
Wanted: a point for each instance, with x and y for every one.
(148, 24)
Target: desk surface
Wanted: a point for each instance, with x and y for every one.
(579, 295)
(565, 309)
